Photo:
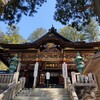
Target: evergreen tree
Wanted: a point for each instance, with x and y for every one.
(12, 35)
(39, 32)
(66, 10)
(92, 30)
(72, 34)
(1, 36)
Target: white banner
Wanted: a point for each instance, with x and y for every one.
(64, 70)
(36, 69)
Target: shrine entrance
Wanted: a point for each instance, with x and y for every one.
(54, 81)
(54, 78)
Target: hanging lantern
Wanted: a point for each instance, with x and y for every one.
(64, 59)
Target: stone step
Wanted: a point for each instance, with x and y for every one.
(41, 98)
(42, 94)
(44, 89)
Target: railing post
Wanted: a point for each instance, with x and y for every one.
(15, 77)
(78, 78)
(90, 78)
(73, 77)
(18, 68)
(22, 81)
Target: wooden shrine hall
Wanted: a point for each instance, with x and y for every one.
(50, 51)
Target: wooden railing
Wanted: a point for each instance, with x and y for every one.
(13, 89)
(6, 79)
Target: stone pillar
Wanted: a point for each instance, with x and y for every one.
(18, 68)
(16, 74)
(82, 78)
(94, 77)
(90, 78)
(73, 77)
(78, 78)
(86, 79)
(15, 77)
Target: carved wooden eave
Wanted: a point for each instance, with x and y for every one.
(55, 38)
(87, 45)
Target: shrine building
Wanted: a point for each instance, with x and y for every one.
(50, 51)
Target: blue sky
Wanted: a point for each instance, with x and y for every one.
(44, 19)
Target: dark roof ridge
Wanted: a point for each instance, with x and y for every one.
(51, 32)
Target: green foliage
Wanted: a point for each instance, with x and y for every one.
(13, 11)
(89, 32)
(39, 32)
(74, 10)
(72, 34)
(66, 10)
(12, 36)
(92, 30)
(3, 66)
(12, 29)
(1, 36)
(13, 39)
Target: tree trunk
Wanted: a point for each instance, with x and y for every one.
(97, 8)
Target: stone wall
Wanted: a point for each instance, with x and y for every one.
(86, 92)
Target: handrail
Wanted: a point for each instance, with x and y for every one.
(72, 92)
(13, 89)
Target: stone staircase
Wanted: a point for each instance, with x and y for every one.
(43, 94)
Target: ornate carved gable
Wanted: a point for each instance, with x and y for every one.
(51, 52)
(51, 47)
